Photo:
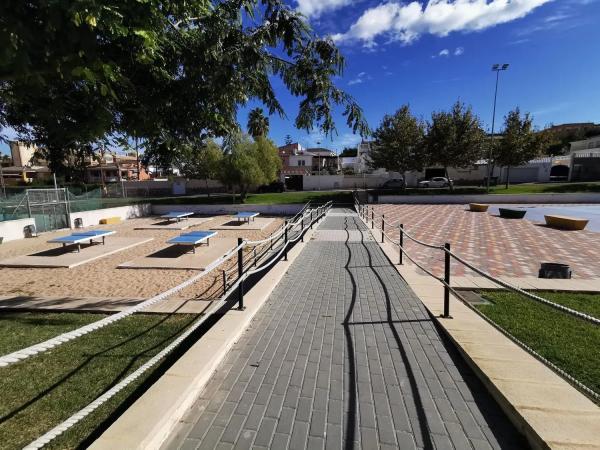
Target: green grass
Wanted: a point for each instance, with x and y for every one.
(571, 343)
(39, 393)
(524, 188)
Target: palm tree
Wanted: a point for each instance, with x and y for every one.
(258, 124)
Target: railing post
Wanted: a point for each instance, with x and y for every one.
(401, 242)
(382, 227)
(254, 256)
(224, 282)
(240, 274)
(285, 241)
(302, 230)
(372, 218)
(271, 242)
(311, 219)
(447, 280)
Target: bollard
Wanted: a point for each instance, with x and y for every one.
(224, 282)
(401, 242)
(240, 274)
(285, 241)
(447, 280)
(382, 227)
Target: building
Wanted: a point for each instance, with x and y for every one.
(22, 154)
(585, 160)
(114, 169)
(323, 160)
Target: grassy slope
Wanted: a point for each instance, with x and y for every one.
(39, 393)
(570, 343)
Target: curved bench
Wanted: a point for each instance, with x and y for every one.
(508, 213)
(565, 222)
(478, 207)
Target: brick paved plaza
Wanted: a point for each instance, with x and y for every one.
(503, 247)
(343, 355)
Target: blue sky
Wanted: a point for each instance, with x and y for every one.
(429, 59)
(429, 54)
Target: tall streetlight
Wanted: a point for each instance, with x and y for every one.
(496, 68)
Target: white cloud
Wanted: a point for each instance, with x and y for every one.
(444, 52)
(406, 22)
(314, 8)
(360, 78)
(459, 51)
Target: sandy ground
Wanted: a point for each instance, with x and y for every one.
(101, 278)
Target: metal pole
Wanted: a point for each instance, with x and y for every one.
(447, 280)
(240, 274)
(382, 227)
(401, 242)
(285, 241)
(2, 181)
(490, 152)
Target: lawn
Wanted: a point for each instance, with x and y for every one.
(39, 393)
(570, 343)
(524, 188)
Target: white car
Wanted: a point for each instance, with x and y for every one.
(435, 182)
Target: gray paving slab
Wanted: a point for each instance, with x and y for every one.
(344, 354)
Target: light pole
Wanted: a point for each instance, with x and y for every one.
(495, 68)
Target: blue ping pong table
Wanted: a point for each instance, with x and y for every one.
(193, 239)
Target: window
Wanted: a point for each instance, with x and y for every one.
(301, 162)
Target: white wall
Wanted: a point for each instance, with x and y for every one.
(275, 210)
(124, 212)
(12, 230)
(328, 182)
(293, 161)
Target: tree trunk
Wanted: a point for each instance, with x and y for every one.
(207, 190)
(507, 174)
(448, 178)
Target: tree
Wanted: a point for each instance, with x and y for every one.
(159, 71)
(258, 124)
(454, 138)
(288, 140)
(202, 163)
(519, 143)
(349, 152)
(398, 142)
(249, 163)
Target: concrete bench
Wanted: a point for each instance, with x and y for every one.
(508, 213)
(565, 222)
(478, 207)
(110, 220)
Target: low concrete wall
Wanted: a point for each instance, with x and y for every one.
(12, 230)
(491, 198)
(124, 212)
(272, 210)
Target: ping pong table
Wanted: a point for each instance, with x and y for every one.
(193, 239)
(82, 236)
(246, 216)
(177, 215)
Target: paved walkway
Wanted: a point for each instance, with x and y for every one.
(344, 355)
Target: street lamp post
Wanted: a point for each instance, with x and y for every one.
(495, 68)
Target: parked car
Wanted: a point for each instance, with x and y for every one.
(275, 186)
(435, 182)
(394, 183)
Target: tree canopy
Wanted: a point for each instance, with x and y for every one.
(519, 143)
(202, 163)
(398, 142)
(258, 124)
(248, 163)
(454, 138)
(76, 71)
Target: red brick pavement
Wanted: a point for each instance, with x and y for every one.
(503, 247)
